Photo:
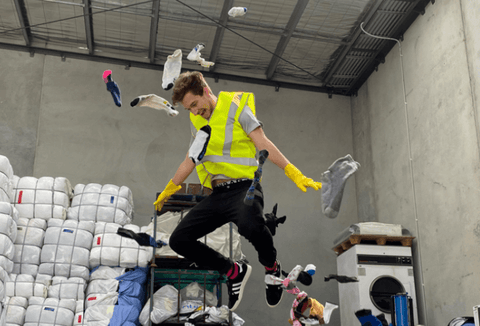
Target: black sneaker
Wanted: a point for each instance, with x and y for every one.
(236, 286)
(274, 293)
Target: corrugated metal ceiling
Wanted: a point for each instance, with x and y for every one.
(314, 45)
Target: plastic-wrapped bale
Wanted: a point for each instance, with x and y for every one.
(49, 312)
(192, 297)
(25, 286)
(165, 305)
(28, 245)
(66, 248)
(107, 203)
(4, 278)
(131, 289)
(7, 194)
(106, 272)
(8, 234)
(111, 249)
(103, 292)
(44, 198)
(15, 309)
(111, 315)
(79, 312)
(67, 288)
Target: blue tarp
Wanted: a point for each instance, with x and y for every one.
(131, 297)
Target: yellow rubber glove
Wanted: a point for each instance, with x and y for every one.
(169, 190)
(300, 180)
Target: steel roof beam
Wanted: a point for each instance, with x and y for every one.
(146, 65)
(87, 16)
(285, 38)
(347, 48)
(217, 41)
(374, 61)
(23, 19)
(154, 30)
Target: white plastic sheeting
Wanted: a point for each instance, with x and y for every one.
(218, 240)
(67, 288)
(194, 292)
(106, 272)
(15, 310)
(28, 245)
(218, 315)
(99, 314)
(44, 198)
(165, 305)
(4, 278)
(102, 286)
(24, 286)
(111, 249)
(7, 193)
(50, 311)
(101, 299)
(66, 248)
(8, 234)
(107, 203)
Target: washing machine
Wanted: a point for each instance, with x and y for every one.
(382, 271)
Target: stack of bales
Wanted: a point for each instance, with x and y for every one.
(111, 299)
(36, 294)
(8, 228)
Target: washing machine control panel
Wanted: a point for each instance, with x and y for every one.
(384, 260)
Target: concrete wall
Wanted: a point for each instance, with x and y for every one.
(57, 119)
(423, 157)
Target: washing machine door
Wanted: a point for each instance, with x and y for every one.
(381, 291)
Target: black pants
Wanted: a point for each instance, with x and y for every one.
(224, 205)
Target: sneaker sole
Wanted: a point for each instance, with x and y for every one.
(242, 287)
(281, 297)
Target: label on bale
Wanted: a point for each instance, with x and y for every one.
(98, 241)
(20, 194)
(68, 230)
(112, 199)
(92, 298)
(48, 309)
(79, 318)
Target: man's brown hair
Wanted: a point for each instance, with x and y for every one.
(190, 81)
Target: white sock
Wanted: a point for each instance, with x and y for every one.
(206, 64)
(171, 69)
(199, 145)
(333, 183)
(237, 11)
(327, 311)
(194, 55)
(155, 102)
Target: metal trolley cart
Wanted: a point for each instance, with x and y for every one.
(181, 272)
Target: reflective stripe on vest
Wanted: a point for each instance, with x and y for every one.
(230, 151)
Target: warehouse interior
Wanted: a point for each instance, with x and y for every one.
(403, 104)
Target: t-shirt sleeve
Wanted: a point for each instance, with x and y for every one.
(248, 120)
(193, 132)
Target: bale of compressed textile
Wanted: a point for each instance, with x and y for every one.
(44, 198)
(101, 203)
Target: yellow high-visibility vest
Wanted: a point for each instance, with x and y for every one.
(230, 151)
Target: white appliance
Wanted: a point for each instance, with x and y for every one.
(476, 315)
(382, 271)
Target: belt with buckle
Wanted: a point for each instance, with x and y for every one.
(226, 182)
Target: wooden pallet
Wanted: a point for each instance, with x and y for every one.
(378, 239)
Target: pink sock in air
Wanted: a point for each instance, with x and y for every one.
(106, 73)
(269, 269)
(233, 271)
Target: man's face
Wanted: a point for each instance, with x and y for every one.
(199, 105)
